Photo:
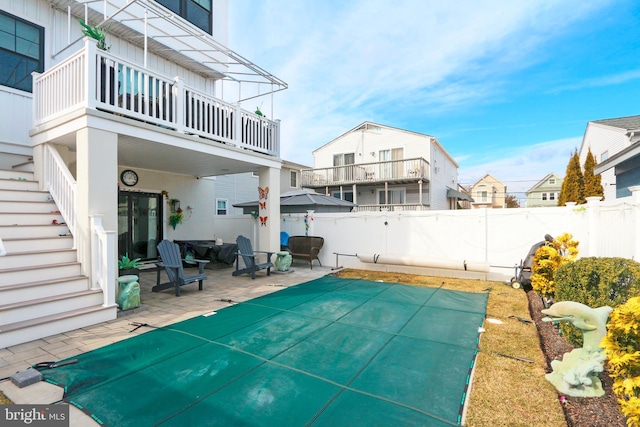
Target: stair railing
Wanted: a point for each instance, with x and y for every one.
(59, 182)
(103, 260)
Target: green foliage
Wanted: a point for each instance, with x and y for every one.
(592, 183)
(548, 259)
(622, 347)
(596, 282)
(95, 33)
(573, 184)
(125, 263)
(176, 218)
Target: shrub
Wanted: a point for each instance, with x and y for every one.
(622, 347)
(548, 259)
(596, 282)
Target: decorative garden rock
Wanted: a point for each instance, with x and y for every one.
(128, 292)
(577, 373)
(283, 261)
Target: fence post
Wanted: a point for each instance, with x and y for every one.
(593, 209)
(635, 198)
(179, 105)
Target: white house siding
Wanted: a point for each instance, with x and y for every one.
(16, 105)
(444, 175)
(366, 146)
(601, 138)
(237, 188)
(365, 142)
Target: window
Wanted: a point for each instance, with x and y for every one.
(294, 179)
(544, 196)
(552, 181)
(221, 206)
(21, 52)
(346, 195)
(394, 197)
(483, 195)
(343, 172)
(198, 12)
(552, 196)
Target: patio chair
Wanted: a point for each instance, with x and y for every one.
(172, 263)
(249, 257)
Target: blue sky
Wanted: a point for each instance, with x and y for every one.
(507, 87)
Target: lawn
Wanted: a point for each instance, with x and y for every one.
(505, 391)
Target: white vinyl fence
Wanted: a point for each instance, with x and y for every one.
(496, 238)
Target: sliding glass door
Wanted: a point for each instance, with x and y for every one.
(139, 224)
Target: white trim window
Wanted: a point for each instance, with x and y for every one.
(222, 206)
(293, 179)
(21, 51)
(544, 196)
(395, 196)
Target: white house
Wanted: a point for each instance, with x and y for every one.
(96, 143)
(379, 167)
(238, 188)
(545, 192)
(614, 144)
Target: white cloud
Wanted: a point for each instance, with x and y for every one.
(521, 168)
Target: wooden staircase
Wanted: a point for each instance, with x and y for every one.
(42, 291)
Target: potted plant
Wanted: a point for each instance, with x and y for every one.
(127, 265)
(176, 218)
(95, 33)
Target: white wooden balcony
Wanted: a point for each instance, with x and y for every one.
(392, 171)
(95, 79)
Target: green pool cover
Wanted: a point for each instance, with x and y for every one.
(328, 352)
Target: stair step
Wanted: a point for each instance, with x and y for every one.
(29, 218)
(41, 327)
(48, 306)
(18, 207)
(31, 231)
(41, 243)
(19, 195)
(12, 294)
(37, 258)
(16, 174)
(16, 276)
(18, 184)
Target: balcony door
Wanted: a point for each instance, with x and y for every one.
(139, 224)
(343, 171)
(390, 169)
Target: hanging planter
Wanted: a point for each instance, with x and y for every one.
(176, 218)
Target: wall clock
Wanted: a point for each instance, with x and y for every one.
(129, 177)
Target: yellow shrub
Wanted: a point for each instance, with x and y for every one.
(548, 259)
(622, 347)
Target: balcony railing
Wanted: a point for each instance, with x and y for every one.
(95, 79)
(390, 208)
(392, 170)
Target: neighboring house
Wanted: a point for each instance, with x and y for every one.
(545, 192)
(115, 135)
(488, 192)
(380, 167)
(239, 188)
(614, 144)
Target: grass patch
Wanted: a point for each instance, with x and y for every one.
(4, 400)
(505, 391)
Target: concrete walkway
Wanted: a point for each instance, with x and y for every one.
(157, 309)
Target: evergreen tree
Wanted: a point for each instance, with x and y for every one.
(573, 184)
(592, 183)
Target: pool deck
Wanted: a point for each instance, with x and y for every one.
(157, 309)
